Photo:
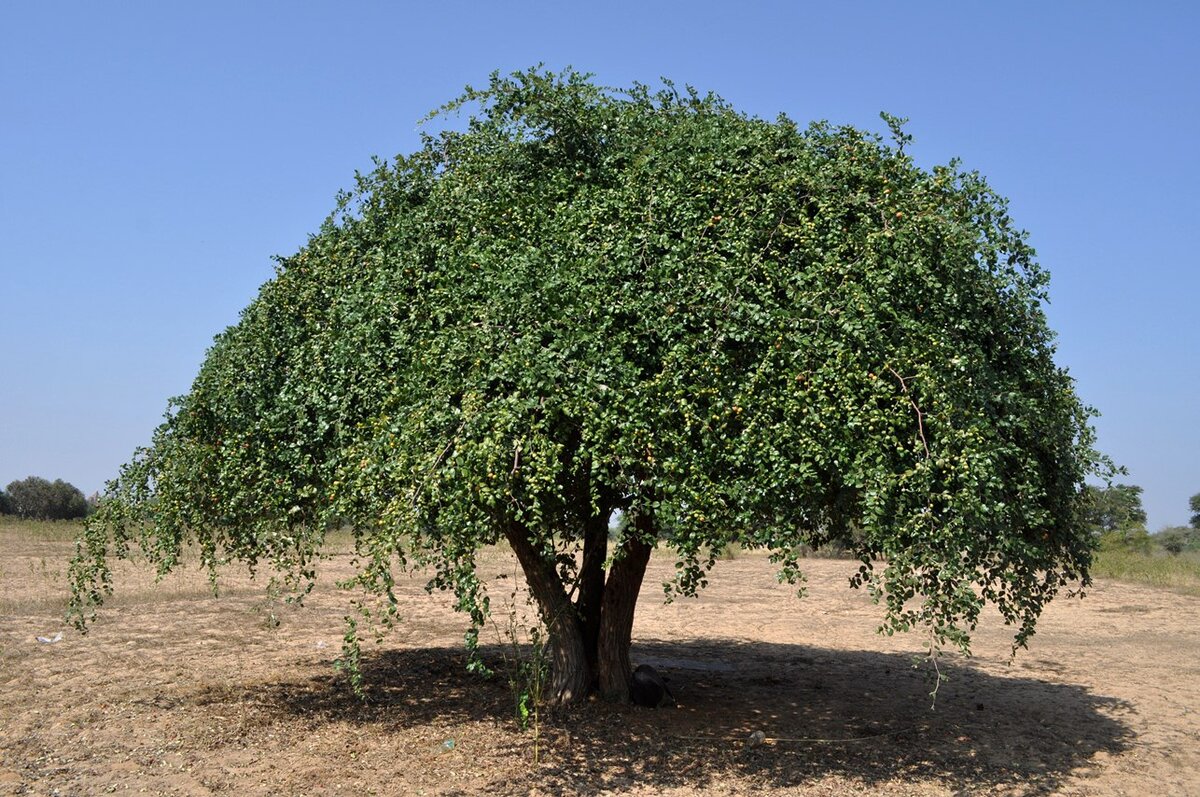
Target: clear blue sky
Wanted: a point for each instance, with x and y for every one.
(153, 156)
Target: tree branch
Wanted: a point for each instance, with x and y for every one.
(417, 490)
(916, 409)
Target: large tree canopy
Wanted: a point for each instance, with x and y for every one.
(731, 329)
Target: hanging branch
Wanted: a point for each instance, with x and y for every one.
(916, 409)
(417, 490)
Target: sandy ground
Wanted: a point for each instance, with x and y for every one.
(174, 692)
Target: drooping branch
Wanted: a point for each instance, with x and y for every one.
(433, 468)
(916, 409)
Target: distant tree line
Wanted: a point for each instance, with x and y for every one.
(1177, 539)
(1118, 521)
(1117, 518)
(41, 499)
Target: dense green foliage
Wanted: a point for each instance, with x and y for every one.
(1194, 505)
(1113, 508)
(1177, 539)
(733, 329)
(40, 499)
(1116, 517)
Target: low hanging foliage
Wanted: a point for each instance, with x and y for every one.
(734, 330)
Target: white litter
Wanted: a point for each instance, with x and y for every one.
(51, 640)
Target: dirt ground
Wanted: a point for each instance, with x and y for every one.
(175, 692)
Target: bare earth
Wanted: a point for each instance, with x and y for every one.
(174, 692)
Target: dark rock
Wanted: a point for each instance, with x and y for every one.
(647, 688)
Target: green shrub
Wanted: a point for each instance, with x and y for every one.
(39, 499)
(1177, 539)
(1134, 539)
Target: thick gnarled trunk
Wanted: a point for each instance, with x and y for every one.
(616, 617)
(588, 640)
(591, 588)
(570, 674)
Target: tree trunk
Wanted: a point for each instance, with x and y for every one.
(591, 587)
(620, 599)
(570, 675)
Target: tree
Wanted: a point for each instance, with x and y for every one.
(1116, 516)
(1194, 505)
(1177, 539)
(1113, 508)
(41, 499)
(589, 300)
(5, 504)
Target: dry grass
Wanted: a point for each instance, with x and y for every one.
(173, 692)
(33, 570)
(1177, 573)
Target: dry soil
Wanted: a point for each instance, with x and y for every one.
(176, 692)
